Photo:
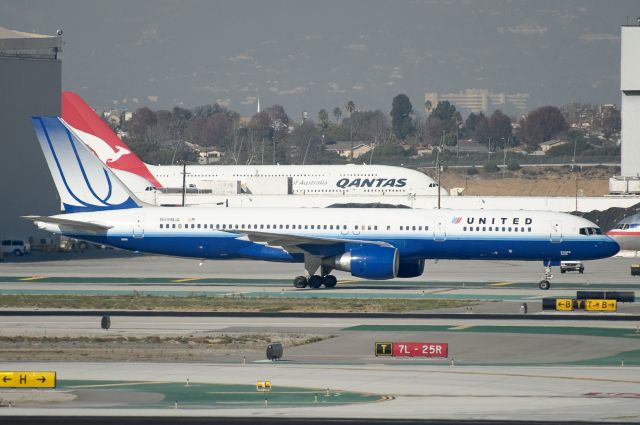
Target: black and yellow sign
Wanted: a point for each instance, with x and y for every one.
(384, 349)
(564, 304)
(601, 305)
(27, 379)
(263, 386)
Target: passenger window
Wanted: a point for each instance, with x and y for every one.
(198, 225)
(161, 225)
(262, 226)
(174, 226)
(180, 226)
(400, 227)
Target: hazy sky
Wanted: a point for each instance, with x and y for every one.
(308, 55)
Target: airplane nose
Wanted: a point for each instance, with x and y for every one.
(611, 246)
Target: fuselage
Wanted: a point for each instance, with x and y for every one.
(417, 234)
(367, 180)
(627, 233)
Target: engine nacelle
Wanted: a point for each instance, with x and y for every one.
(413, 268)
(369, 262)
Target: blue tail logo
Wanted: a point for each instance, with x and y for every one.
(84, 183)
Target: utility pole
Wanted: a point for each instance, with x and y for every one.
(438, 175)
(184, 181)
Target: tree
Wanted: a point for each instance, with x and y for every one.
(472, 122)
(443, 124)
(500, 127)
(350, 107)
(401, 122)
(323, 118)
(541, 125)
(337, 112)
(482, 132)
(444, 111)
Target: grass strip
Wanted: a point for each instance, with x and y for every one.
(226, 303)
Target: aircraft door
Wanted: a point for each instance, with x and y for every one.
(138, 230)
(556, 232)
(439, 229)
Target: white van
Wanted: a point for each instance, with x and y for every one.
(15, 247)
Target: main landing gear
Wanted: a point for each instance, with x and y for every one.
(315, 281)
(546, 277)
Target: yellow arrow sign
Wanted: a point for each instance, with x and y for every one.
(28, 379)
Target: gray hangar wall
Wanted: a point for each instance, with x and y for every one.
(28, 87)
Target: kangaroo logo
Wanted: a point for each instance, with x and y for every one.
(102, 149)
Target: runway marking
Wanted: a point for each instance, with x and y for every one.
(461, 327)
(122, 384)
(346, 282)
(32, 278)
(501, 283)
(187, 279)
(438, 291)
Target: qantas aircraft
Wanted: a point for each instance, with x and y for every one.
(368, 243)
(368, 180)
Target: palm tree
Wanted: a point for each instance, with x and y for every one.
(337, 112)
(351, 107)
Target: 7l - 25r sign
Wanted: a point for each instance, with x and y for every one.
(412, 349)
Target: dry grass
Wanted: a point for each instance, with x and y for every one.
(224, 304)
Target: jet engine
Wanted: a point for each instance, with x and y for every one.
(369, 262)
(411, 268)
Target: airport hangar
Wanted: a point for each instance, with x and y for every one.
(30, 83)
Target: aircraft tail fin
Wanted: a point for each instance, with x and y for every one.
(83, 182)
(96, 134)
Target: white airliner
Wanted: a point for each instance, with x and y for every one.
(366, 180)
(368, 243)
(627, 233)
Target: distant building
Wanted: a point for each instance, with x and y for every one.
(480, 100)
(344, 149)
(210, 156)
(553, 143)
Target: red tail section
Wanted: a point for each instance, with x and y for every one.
(104, 142)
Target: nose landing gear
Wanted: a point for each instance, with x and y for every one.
(545, 283)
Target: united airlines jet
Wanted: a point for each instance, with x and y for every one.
(368, 243)
(351, 179)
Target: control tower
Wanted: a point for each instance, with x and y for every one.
(629, 180)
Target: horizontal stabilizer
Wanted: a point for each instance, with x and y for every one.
(83, 226)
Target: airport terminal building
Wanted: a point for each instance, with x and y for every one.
(30, 83)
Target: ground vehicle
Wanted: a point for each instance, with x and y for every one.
(15, 247)
(571, 266)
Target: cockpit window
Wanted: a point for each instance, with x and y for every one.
(590, 231)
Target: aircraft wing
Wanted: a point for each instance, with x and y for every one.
(73, 224)
(318, 246)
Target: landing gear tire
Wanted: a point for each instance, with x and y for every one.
(315, 281)
(330, 281)
(544, 285)
(300, 282)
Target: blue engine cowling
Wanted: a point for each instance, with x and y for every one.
(412, 268)
(369, 262)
